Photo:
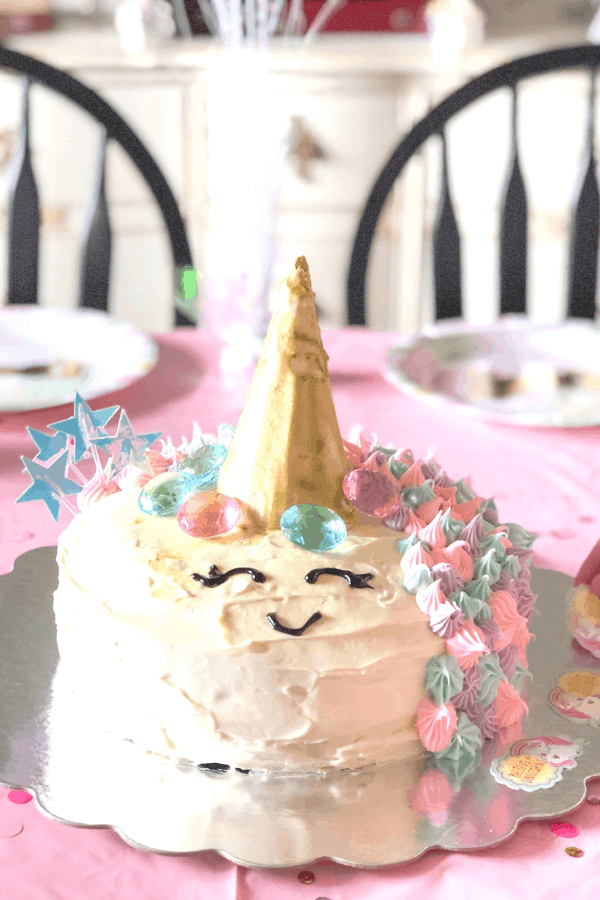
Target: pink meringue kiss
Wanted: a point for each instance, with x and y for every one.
(508, 705)
(467, 645)
(412, 477)
(458, 556)
(371, 492)
(429, 510)
(209, 514)
(435, 725)
(508, 619)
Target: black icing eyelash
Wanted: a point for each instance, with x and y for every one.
(353, 578)
(215, 577)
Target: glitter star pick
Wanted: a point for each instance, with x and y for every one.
(86, 425)
(50, 484)
(127, 447)
(48, 444)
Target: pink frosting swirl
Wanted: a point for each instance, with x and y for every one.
(485, 719)
(506, 615)
(441, 480)
(472, 534)
(131, 477)
(467, 645)
(429, 599)
(493, 635)
(416, 556)
(435, 725)
(457, 554)
(399, 519)
(429, 510)
(433, 534)
(508, 706)
(447, 494)
(414, 523)
(467, 511)
(446, 619)
(412, 477)
(94, 491)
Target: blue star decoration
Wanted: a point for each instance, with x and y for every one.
(49, 484)
(48, 444)
(86, 425)
(127, 447)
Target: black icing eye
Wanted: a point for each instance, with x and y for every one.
(215, 577)
(353, 579)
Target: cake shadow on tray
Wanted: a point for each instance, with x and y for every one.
(275, 599)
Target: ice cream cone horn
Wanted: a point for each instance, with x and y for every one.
(287, 448)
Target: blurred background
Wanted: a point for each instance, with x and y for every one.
(338, 105)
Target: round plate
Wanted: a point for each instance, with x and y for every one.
(513, 371)
(374, 817)
(48, 354)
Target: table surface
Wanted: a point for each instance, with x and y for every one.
(547, 480)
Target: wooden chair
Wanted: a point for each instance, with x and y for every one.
(23, 203)
(513, 226)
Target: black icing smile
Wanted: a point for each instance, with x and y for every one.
(295, 632)
(215, 577)
(353, 579)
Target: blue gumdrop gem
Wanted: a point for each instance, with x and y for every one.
(205, 465)
(313, 527)
(163, 495)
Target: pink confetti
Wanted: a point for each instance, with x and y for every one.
(19, 797)
(10, 828)
(564, 829)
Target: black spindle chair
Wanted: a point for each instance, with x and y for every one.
(585, 222)
(23, 202)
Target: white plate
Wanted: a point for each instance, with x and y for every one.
(513, 371)
(73, 350)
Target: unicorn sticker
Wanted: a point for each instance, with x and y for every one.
(536, 763)
(577, 697)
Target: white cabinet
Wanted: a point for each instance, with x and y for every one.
(353, 99)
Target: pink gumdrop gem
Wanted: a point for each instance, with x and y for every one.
(19, 797)
(564, 829)
(371, 492)
(208, 514)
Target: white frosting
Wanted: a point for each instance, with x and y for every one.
(198, 672)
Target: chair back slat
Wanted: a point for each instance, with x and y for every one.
(97, 241)
(23, 218)
(446, 250)
(513, 229)
(585, 226)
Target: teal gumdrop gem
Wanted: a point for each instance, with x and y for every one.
(313, 527)
(163, 495)
(205, 465)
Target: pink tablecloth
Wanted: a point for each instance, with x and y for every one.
(547, 480)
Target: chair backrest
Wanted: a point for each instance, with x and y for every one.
(23, 201)
(513, 226)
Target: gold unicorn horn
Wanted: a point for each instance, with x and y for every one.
(287, 448)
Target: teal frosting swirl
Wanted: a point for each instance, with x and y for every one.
(519, 537)
(397, 468)
(417, 578)
(511, 565)
(444, 678)
(405, 544)
(487, 565)
(451, 527)
(493, 542)
(479, 588)
(471, 607)
(388, 451)
(417, 495)
(521, 673)
(463, 491)
(464, 750)
(491, 675)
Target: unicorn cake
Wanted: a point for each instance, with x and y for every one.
(279, 599)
